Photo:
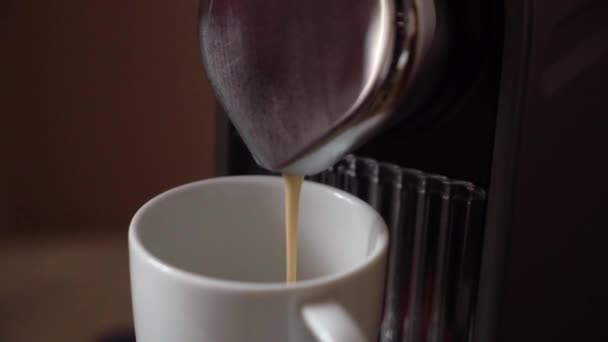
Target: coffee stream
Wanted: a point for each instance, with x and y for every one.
(293, 183)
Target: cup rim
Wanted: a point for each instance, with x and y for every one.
(136, 246)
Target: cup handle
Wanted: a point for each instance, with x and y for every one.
(329, 322)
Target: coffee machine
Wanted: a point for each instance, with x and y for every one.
(512, 100)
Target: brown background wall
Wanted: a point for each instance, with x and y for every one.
(103, 104)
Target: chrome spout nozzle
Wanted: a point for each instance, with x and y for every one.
(305, 82)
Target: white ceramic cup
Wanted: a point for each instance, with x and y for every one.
(207, 264)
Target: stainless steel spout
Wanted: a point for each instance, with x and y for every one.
(305, 82)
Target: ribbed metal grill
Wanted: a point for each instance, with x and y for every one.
(436, 229)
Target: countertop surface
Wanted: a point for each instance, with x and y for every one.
(64, 287)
